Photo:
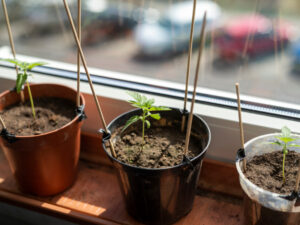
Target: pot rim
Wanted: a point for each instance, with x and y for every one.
(56, 130)
(252, 185)
(164, 168)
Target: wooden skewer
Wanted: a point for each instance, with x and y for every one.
(188, 65)
(88, 74)
(11, 41)
(237, 88)
(2, 123)
(78, 53)
(190, 120)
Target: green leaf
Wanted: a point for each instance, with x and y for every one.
(147, 123)
(159, 108)
(155, 116)
(150, 102)
(143, 100)
(32, 65)
(136, 96)
(21, 79)
(14, 61)
(285, 139)
(132, 120)
(276, 143)
(294, 145)
(285, 132)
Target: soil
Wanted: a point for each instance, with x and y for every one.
(164, 147)
(51, 114)
(266, 171)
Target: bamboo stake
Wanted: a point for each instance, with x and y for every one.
(2, 123)
(88, 74)
(11, 41)
(78, 53)
(237, 88)
(190, 120)
(298, 179)
(188, 65)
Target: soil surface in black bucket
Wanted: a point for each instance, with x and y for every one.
(164, 147)
(51, 114)
(266, 171)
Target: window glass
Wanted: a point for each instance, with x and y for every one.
(252, 42)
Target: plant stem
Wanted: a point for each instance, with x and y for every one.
(31, 99)
(143, 130)
(283, 162)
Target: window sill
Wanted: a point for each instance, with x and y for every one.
(95, 197)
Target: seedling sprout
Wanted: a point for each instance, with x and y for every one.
(284, 140)
(22, 77)
(146, 105)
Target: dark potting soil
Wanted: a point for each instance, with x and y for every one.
(164, 147)
(266, 171)
(51, 114)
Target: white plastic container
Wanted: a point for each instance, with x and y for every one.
(266, 208)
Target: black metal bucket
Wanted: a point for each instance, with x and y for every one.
(161, 196)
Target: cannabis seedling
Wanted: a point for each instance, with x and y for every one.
(22, 76)
(146, 105)
(284, 141)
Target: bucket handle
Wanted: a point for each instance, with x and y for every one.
(240, 154)
(105, 135)
(80, 112)
(293, 196)
(10, 138)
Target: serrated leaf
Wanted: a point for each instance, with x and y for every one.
(285, 132)
(136, 96)
(148, 123)
(155, 116)
(143, 99)
(150, 102)
(132, 120)
(159, 108)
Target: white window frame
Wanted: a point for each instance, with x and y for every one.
(223, 121)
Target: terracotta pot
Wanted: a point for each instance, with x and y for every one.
(44, 164)
(160, 195)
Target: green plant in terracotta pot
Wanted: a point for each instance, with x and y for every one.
(157, 184)
(41, 137)
(22, 77)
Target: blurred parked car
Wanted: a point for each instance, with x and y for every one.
(169, 33)
(42, 17)
(263, 37)
(107, 20)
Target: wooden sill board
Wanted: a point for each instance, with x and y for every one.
(95, 199)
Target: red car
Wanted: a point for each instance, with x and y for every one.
(259, 32)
